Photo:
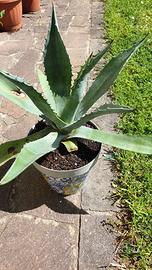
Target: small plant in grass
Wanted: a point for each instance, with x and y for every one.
(64, 107)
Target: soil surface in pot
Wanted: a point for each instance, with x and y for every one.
(61, 159)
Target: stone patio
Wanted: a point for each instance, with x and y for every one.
(40, 229)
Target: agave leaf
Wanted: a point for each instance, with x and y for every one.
(36, 98)
(11, 149)
(80, 85)
(89, 65)
(105, 79)
(46, 89)
(56, 61)
(70, 145)
(31, 152)
(139, 144)
(10, 91)
(102, 110)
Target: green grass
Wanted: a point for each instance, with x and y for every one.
(128, 21)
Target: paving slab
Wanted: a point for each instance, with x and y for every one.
(32, 195)
(97, 242)
(77, 7)
(33, 243)
(97, 193)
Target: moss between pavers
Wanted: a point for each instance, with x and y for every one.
(128, 21)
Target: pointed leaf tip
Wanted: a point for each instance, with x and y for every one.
(54, 17)
(106, 78)
(56, 61)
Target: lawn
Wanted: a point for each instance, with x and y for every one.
(128, 21)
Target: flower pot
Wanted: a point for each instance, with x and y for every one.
(66, 182)
(12, 20)
(30, 6)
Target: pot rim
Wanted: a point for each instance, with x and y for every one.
(72, 170)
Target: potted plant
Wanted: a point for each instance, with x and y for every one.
(12, 21)
(30, 6)
(65, 131)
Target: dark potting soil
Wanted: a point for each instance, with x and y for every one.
(61, 159)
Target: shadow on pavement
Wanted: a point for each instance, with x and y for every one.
(30, 191)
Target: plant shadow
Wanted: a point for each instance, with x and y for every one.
(30, 191)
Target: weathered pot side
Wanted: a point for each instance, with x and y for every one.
(66, 182)
(30, 6)
(12, 20)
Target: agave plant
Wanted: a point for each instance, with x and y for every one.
(64, 105)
